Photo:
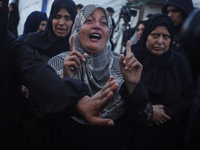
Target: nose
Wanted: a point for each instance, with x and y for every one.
(61, 21)
(97, 25)
(160, 40)
(140, 31)
(170, 14)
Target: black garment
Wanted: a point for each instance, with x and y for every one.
(71, 135)
(168, 82)
(185, 7)
(19, 65)
(32, 23)
(13, 19)
(45, 43)
(190, 37)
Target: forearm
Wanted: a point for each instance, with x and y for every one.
(138, 107)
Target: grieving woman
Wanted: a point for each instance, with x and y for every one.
(91, 60)
(19, 65)
(54, 39)
(168, 80)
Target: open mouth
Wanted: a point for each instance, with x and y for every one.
(95, 36)
(61, 30)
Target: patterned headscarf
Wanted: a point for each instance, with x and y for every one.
(97, 69)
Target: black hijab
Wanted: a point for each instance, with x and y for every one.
(13, 19)
(3, 22)
(141, 51)
(7, 39)
(46, 41)
(32, 23)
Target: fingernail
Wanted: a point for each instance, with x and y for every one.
(110, 123)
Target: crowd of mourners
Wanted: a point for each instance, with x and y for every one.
(63, 86)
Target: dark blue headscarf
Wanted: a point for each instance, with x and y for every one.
(32, 23)
(46, 41)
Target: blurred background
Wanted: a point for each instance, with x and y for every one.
(127, 14)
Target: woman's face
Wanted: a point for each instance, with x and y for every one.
(158, 41)
(140, 30)
(42, 25)
(94, 33)
(10, 7)
(62, 23)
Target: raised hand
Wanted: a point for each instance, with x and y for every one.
(91, 107)
(73, 61)
(131, 68)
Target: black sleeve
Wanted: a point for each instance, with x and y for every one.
(53, 96)
(138, 107)
(187, 92)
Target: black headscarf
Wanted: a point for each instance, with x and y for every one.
(13, 19)
(3, 22)
(32, 23)
(141, 51)
(186, 6)
(46, 41)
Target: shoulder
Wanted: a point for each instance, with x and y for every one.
(178, 56)
(57, 62)
(58, 58)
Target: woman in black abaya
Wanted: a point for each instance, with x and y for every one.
(51, 42)
(168, 80)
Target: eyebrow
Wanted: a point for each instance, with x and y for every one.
(101, 16)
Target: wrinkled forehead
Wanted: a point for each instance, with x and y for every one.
(88, 10)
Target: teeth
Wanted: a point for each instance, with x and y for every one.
(96, 36)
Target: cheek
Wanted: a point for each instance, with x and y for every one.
(69, 24)
(148, 44)
(167, 46)
(82, 37)
(54, 24)
(106, 34)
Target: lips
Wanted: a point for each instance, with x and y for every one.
(158, 48)
(60, 30)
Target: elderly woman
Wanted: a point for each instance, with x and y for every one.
(53, 40)
(168, 80)
(92, 61)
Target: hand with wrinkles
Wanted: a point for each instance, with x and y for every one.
(73, 61)
(159, 116)
(91, 107)
(131, 69)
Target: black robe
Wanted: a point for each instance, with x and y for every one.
(19, 65)
(45, 43)
(169, 82)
